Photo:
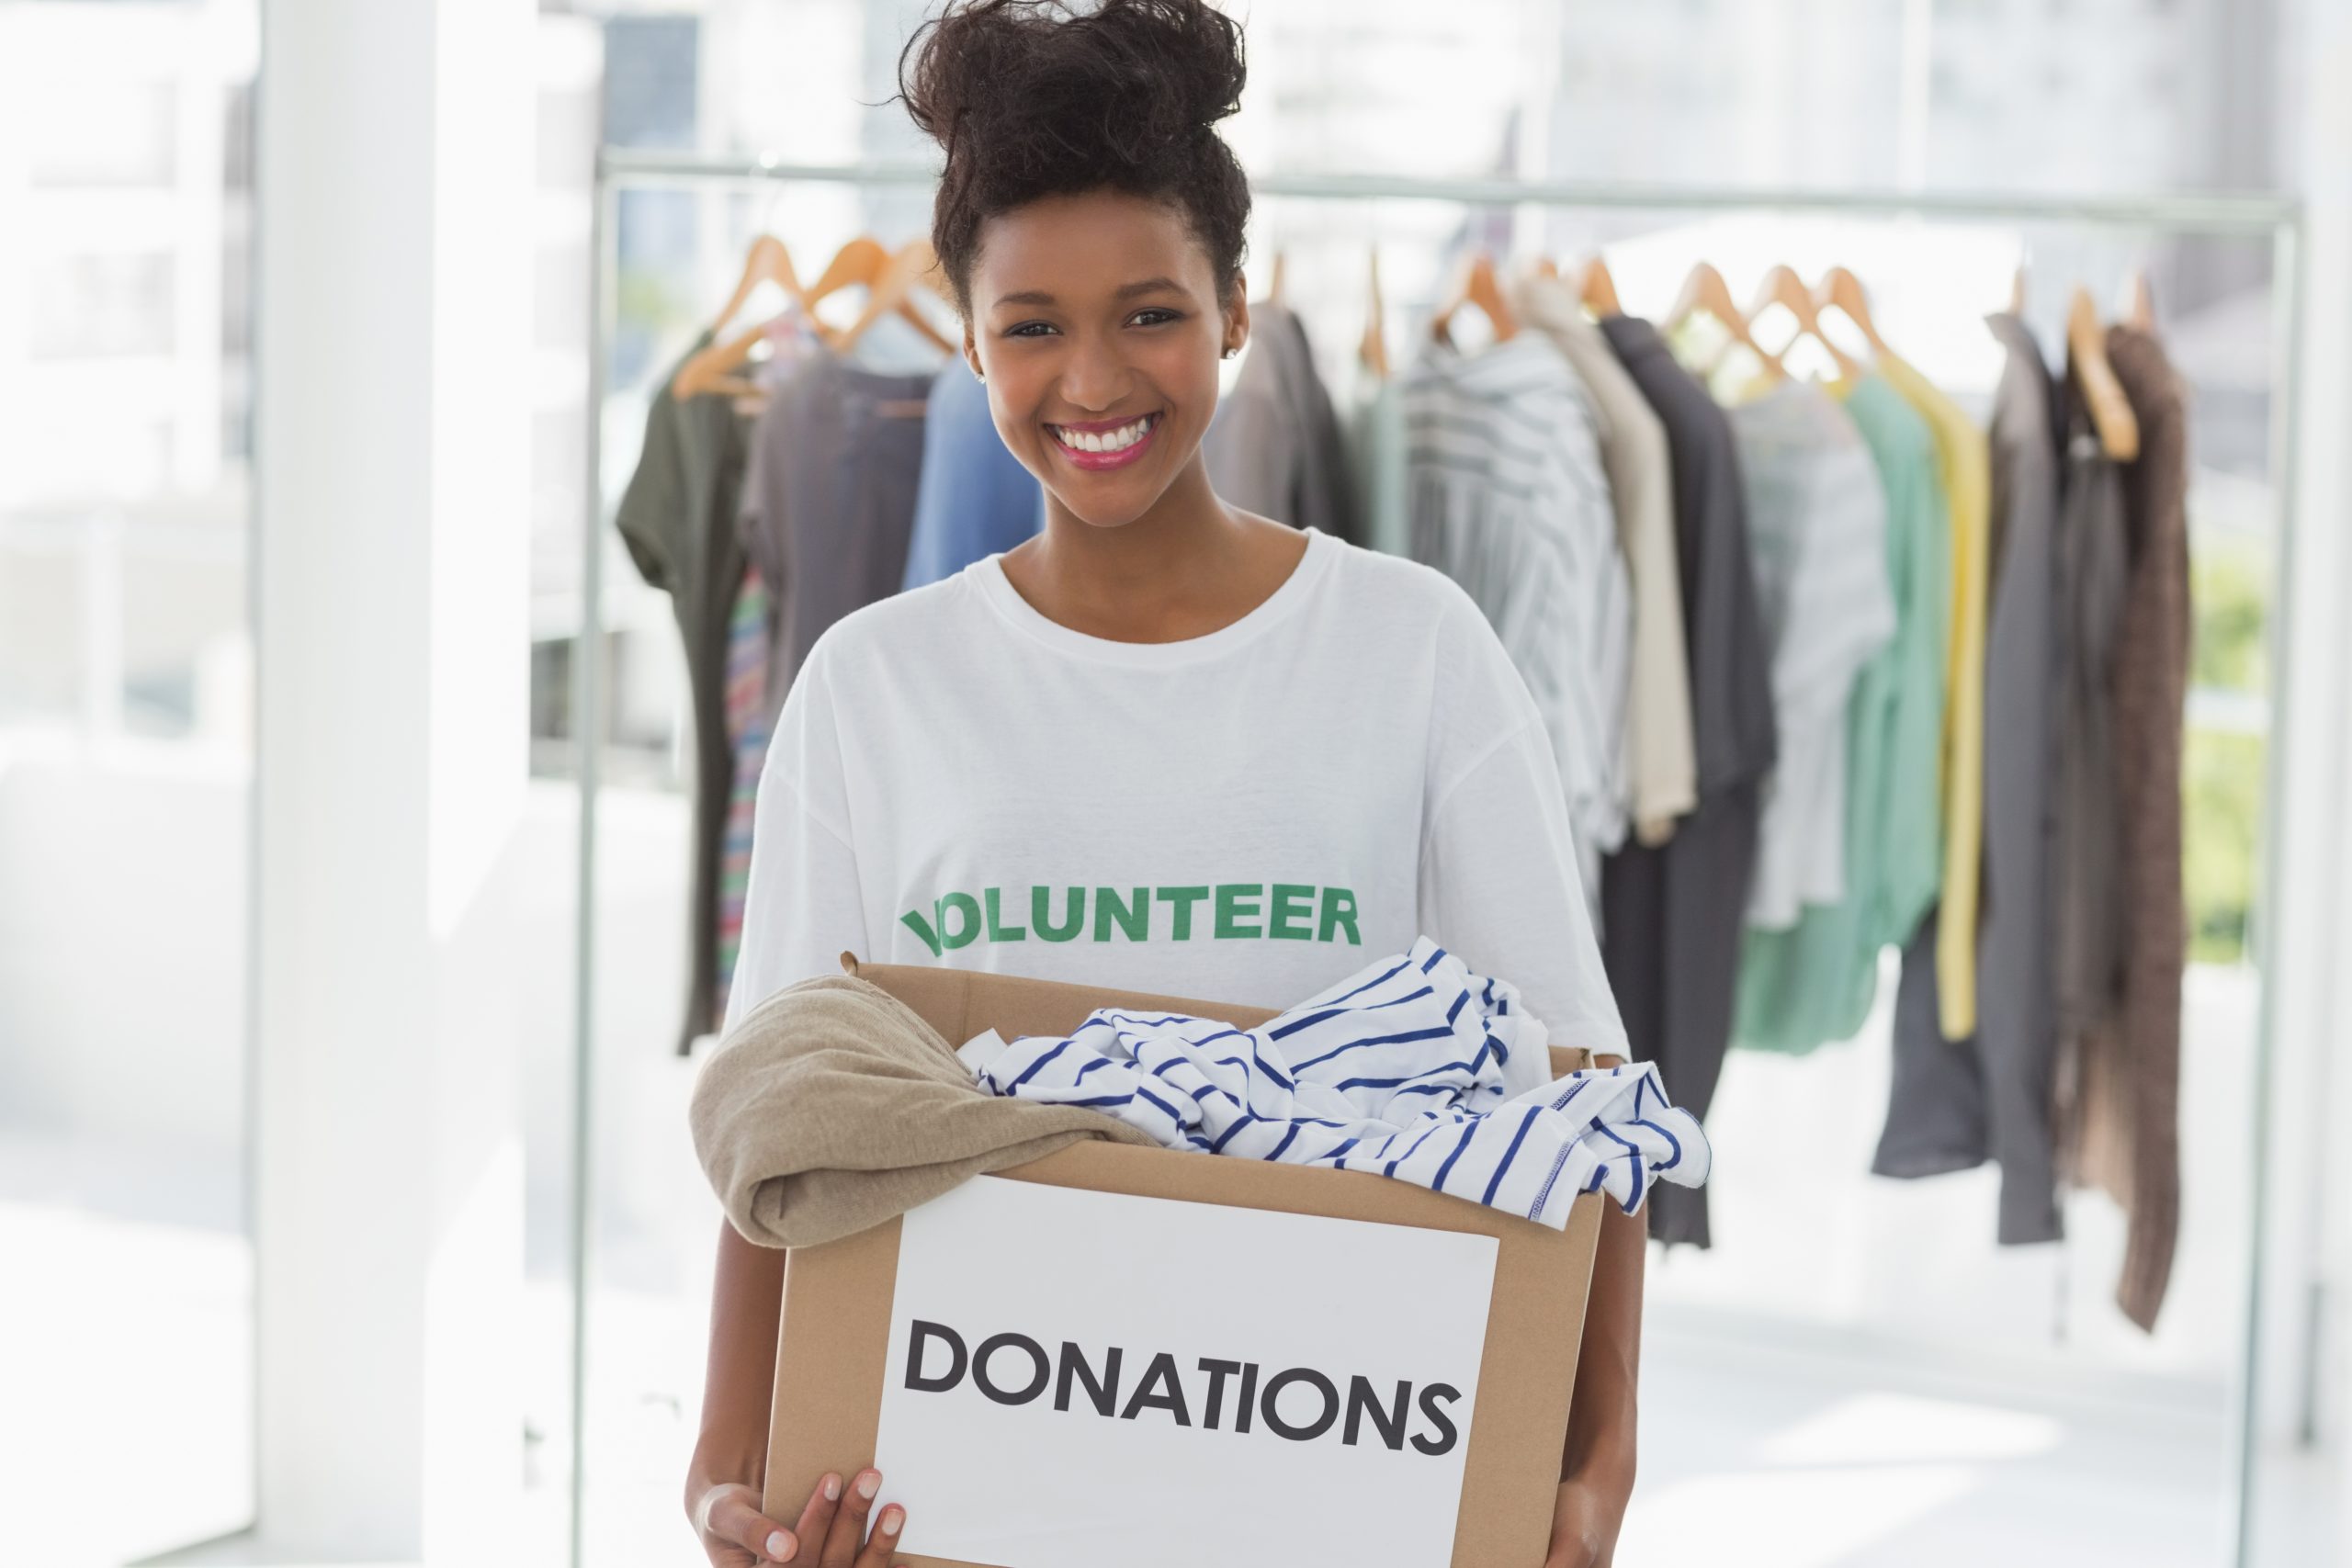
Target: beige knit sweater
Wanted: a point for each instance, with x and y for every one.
(833, 1107)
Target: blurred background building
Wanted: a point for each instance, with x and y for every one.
(1851, 1350)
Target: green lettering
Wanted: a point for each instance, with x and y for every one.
(965, 905)
(1184, 898)
(1135, 918)
(998, 930)
(1339, 909)
(912, 920)
(1041, 906)
(1294, 907)
(1230, 909)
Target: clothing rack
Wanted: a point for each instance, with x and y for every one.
(2222, 215)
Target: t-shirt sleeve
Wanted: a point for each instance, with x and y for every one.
(802, 903)
(1498, 884)
(651, 517)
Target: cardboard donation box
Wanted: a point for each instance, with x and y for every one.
(1119, 1357)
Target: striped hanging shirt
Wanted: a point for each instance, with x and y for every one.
(1396, 1069)
(1507, 496)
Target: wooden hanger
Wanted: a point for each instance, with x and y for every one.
(1373, 348)
(718, 370)
(888, 291)
(767, 262)
(711, 369)
(1599, 289)
(2111, 411)
(1705, 291)
(1546, 267)
(1274, 280)
(889, 279)
(2139, 303)
(1783, 287)
(1477, 286)
(1840, 290)
(2017, 291)
(863, 261)
(860, 261)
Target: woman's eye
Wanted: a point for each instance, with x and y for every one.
(1157, 316)
(1031, 329)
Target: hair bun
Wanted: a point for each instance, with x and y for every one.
(1037, 80)
(1032, 98)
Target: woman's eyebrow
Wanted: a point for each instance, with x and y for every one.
(1148, 286)
(1124, 292)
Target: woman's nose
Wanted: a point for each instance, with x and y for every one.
(1094, 377)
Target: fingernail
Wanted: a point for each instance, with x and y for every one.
(869, 1484)
(781, 1547)
(891, 1517)
(832, 1487)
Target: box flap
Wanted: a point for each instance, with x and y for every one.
(960, 1003)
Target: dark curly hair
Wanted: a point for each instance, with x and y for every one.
(1032, 98)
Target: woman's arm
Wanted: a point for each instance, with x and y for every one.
(725, 1482)
(730, 1465)
(802, 908)
(1500, 886)
(1597, 1460)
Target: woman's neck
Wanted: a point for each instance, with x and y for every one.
(1185, 568)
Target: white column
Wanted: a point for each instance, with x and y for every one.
(2327, 443)
(392, 468)
(2309, 1239)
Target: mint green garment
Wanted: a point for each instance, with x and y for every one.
(1813, 983)
(1376, 446)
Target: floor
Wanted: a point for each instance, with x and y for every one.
(1795, 1449)
(1769, 1446)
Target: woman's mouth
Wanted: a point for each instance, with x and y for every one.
(1109, 447)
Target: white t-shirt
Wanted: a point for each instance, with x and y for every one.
(1244, 816)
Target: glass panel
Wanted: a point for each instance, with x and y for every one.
(125, 759)
(570, 56)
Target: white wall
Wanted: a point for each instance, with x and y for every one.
(122, 948)
(392, 512)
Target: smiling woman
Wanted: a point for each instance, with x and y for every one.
(1090, 223)
(1165, 745)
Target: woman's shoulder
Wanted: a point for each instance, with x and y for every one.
(912, 623)
(1478, 691)
(1405, 596)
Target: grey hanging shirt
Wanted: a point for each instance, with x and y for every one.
(677, 517)
(1672, 915)
(1954, 1104)
(1274, 446)
(829, 498)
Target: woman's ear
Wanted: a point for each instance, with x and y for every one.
(972, 355)
(1235, 314)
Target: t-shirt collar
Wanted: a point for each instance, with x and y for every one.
(988, 578)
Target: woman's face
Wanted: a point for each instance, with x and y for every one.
(1096, 326)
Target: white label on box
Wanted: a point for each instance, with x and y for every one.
(1080, 1378)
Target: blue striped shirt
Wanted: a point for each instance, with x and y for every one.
(1396, 1069)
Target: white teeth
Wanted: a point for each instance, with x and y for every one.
(1118, 440)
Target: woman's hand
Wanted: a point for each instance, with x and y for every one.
(831, 1534)
(1585, 1519)
(735, 1534)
